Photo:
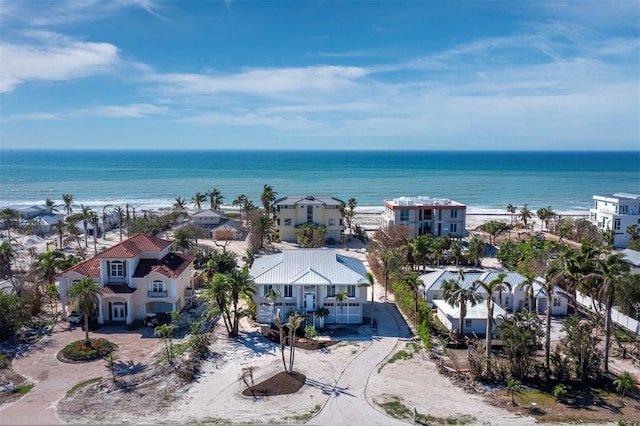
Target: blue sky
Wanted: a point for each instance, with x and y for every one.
(470, 75)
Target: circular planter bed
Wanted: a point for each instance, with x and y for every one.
(78, 351)
(282, 383)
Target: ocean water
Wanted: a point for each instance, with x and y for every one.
(484, 181)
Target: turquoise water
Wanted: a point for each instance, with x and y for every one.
(481, 180)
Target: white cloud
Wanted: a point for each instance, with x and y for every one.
(126, 111)
(52, 58)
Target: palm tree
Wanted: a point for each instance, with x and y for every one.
(6, 258)
(239, 284)
(180, 204)
(512, 210)
(67, 199)
(120, 212)
(85, 216)
(633, 231)
(496, 285)
(51, 205)
(476, 250)
(93, 218)
(198, 199)
(267, 198)
(625, 383)
(349, 215)
(215, 198)
(48, 264)
(72, 229)
(105, 218)
(217, 292)
(457, 295)
(420, 246)
(182, 240)
(548, 288)
(294, 323)
(240, 201)
(413, 281)
(262, 227)
(370, 284)
(608, 271)
(525, 215)
(85, 298)
(9, 216)
(341, 298)
(528, 288)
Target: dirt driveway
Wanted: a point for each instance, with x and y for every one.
(53, 378)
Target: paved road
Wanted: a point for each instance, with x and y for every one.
(53, 378)
(351, 407)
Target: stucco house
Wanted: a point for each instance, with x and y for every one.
(307, 279)
(616, 212)
(138, 276)
(293, 211)
(426, 216)
(475, 320)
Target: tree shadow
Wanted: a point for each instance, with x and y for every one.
(124, 368)
(328, 389)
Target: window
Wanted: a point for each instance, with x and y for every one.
(331, 291)
(351, 291)
(157, 286)
(332, 222)
(117, 269)
(404, 215)
(309, 214)
(288, 291)
(267, 288)
(278, 222)
(556, 301)
(453, 227)
(454, 214)
(467, 323)
(342, 223)
(616, 224)
(287, 222)
(506, 301)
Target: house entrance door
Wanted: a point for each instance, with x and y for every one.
(118, 312)
(310, 300)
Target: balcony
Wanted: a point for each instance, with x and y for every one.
(157, 294)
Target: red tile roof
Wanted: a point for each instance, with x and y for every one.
(172, 265)
(88, 268)
(135, 245)
(117, 289)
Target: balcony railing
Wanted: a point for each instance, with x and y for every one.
(157, 294)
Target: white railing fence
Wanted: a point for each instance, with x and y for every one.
(616, 316)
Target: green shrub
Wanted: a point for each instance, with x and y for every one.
(24, 389)
(310, 332)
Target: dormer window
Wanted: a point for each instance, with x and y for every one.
(116, 269)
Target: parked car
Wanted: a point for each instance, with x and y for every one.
(540, 236)
(75, 317)
(155, 319)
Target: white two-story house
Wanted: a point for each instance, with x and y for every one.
(307, 279)
(294, 211)
(616, 212)
(138, 276)
(426, 216)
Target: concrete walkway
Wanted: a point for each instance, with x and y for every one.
(352, 407)
(53, 378)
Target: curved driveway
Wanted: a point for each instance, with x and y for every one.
(53, 378)
(352, 407)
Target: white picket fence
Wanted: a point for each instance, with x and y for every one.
(616, 316)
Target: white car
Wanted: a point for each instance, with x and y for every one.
(74, 318)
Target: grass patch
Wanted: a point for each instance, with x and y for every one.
(21, 390)
(401, 354)
(537, 396)
(303, 418)
(396, 409)
(80, 385)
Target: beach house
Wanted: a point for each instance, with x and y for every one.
(294, 211)
(305, 280)
(522, 296)
(426, 216)
(616, 212)
(138, 276)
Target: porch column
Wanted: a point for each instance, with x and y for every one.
(100, 314)
(129, 319)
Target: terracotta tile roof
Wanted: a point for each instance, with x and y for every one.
(88, 268)
(135, 245)
(172, 265)
(117, 289)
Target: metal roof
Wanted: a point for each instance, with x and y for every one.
(434, 280)
(308, 266)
